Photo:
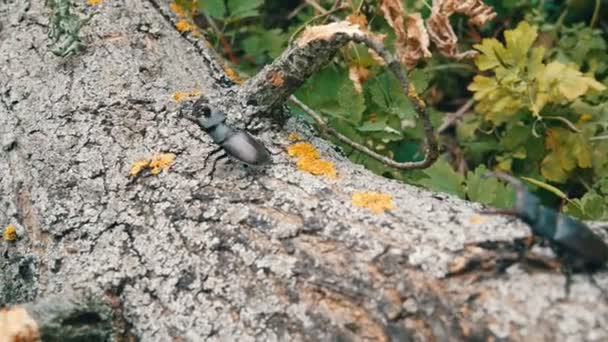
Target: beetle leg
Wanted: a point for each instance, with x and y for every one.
(594, 283)
(567, 270)
(213, 152)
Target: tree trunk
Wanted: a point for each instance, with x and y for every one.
(224, 253)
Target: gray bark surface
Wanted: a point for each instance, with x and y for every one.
(275, 254)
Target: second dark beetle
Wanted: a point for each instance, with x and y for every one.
(578, 247)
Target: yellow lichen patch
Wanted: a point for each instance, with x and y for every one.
(293, 136)
(161, 162)
(179, 96)
(377, 202)
(317, 167)
(179, 11)
(233, 75)
(308, 160)
(413, 94)
(94, 2)
(138, 167)
(477, 219)
(303, 150)
(183, 26)
(10, 233)
(155, 164)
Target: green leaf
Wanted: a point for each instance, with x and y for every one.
(377, 126)
(420, 79)
(243, 8)
(489, 190)
(568, 151)
(265, 41)
(592, 206)
(352, 104)
(441, 177)
(214, 8)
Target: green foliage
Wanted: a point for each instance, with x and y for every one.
(441, 177)
(539, 91)
(543, 113)
(521, 80)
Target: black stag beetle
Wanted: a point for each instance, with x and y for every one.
(575, 244)
(236, 143)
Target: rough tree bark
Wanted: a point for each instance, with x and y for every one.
(275, 255)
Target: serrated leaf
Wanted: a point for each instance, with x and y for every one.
(551, 169)
(570, 83)
(441, 177)
(568, 151)
(488, 190)
(243, 8)
(518, 43)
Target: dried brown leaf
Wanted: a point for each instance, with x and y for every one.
(417, 43)
(478, 12)
(393, 13)
(327, 32)
(440, 30)
(358, 74)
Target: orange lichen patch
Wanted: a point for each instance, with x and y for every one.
(138, 167)
(184, 25)
(10, 233)
(303, 150)
(276, 79)
(179, 11)
(293, 136)
(156, 164)
(317, 167)
(94, 2)
(477, 219)
(377, 202)
(233, 75)
(179, 96)
(16, 324)
(308, 160)
(161, 162)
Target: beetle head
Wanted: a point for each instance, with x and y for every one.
(207, 117)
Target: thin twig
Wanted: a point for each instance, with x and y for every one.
(420, 107)
(457, 115)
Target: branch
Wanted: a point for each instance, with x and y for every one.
(315, 48)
